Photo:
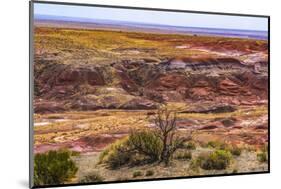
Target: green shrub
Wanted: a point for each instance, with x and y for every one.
(152, 145)
(119, 158)
(94, 177)
(139, 146)
(218, 145)
(265, 148)
(262, 157)
(53, 167)
(118, 145)
(194, 164)
(147, 144)
(75, 153)
(214, 144)
(137, 174)
(149, 173)
(190, 146)
(184, 155)
(218, 160)
(224, 146)
(235, 151)
(117, 154)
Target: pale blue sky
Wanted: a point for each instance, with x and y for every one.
(154, 17)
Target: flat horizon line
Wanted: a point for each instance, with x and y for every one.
(88, 20)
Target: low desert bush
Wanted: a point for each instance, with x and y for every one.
(138, 147)
(264, 148)
(147, 144)
(194, 164)
(224, 146)
(118, 158)
(53, 167)
(149, 173)
(235, 151)
(218, 160)
(137, 174)
(75, 153)
(184, 155)
(117, 154)
(214, 144)
(218, 145)
(189, 146)
(122, 143)
(262, 156)
(94, 177)
(157, 144)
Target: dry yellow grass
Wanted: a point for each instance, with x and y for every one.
(104, 46)
(74, 125)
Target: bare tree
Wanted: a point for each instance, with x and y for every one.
(166, 129)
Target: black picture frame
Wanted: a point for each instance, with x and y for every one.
(31, 27)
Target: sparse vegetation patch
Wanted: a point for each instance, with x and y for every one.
(91, 178)
(53, 167)
(218, 159)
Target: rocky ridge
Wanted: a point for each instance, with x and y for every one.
(145, 84)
